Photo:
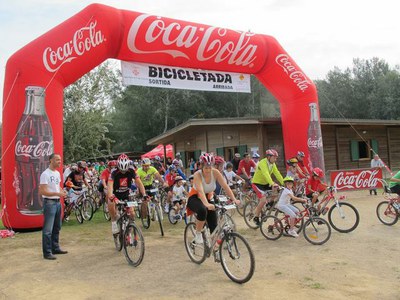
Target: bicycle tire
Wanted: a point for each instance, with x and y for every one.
(230, 253)
(145, 221)
(133, 244)
(248, 214)
(243, 200)
(106, 213)
(197, 253)
(351, 213)
(160, 219)
(271, 227)
(386, 209)
(171, 216)
(87, 208)
(314, 235)
(78, 215)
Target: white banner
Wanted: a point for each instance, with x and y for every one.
(183, 78)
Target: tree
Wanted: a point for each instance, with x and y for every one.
(86, 119)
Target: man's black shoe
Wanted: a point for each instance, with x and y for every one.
(50, 257)
(60, 252)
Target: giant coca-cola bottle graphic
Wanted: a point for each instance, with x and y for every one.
(314, 141)
(34, 144)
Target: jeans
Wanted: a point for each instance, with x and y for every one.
(51, 226)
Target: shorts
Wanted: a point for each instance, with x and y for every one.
(261, 189)
(396, 189)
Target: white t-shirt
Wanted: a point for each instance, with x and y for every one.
(178, 192)
(52, 179)
(229, 176)
(285, 197)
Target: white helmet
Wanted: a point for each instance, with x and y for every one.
(123, 162)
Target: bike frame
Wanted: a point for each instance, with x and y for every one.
(331, 196)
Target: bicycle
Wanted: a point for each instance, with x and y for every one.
(243, 196)
(175, 216)
(232, 247)
(82, 206)
(342, 216)
(388, 211)
(152, 212)
(129, 237)
(268, 208)
(315, 230)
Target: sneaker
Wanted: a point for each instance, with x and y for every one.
(66, 219)
(256, 220)
(166, 208)
(114, 228)
(293, 233)
(198, 239)
(178, 217)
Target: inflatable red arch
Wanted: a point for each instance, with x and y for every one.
(37, 74)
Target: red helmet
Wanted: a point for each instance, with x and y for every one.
(207, 159)
(318, 172)
(271, 152)
(219, 160)
(123, 162)
(112, 163)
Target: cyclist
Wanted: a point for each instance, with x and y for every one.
(315, 186)
(262, 181)
(394, 183)
(104, 177)
(219, 165)
(179, 194)
(302, 170)
(230, 175)
(244, 168)
(284, 204)
(158, 165)
(170, 179)
(201, 196)
(118, 186)
(292, 168)
(147, 173)
(77, 177)
(256, 158)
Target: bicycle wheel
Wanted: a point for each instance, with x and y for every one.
(387, 213)
(271, 227)
(78, 215)
(159, 216)
(87, 209)
(133, 244)
(106, 212)
(243, 200)
(237, 258)
(317, 231)
(248, 214)
(145, 216)
(343, 217)
(197, 252)
(172, 216)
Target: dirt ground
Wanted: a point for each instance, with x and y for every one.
(363, 264)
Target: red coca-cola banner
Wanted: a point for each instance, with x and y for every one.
(70, 50)
(357, 179)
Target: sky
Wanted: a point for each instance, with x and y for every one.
(318, 34)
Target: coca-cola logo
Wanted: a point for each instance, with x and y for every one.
(83, 40)
(364, 179)
(290, 69)
(160, 36)
(44, 148)
(314, 143)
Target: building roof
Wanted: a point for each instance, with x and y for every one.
(168, 136)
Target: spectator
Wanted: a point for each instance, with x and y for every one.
(235, 162)
(376, 163)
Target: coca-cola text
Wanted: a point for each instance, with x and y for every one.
(356, 179)
(297, 76)
(44, 148)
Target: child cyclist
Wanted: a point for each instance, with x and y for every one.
(178, 195)
(284, 204)
(315, 186)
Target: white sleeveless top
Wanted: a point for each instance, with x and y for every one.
(208, 187)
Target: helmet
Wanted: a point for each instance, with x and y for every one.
(292, 161)
(271, 152)
(288, 179)
(157, 157)
(229, 165)
(123, 162)
(175, 162)
(318, 172)
(256, 155)
(89, 164)
(74, 167)
(191, 177)
(219, 160)
(301, 154)
(207, 159)
(112, 163)
(81, 164)
(172, 168)
(146, 162)
(177, 178)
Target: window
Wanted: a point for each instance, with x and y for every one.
(361, 150)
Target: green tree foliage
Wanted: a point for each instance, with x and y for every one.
(86, 122)
(368, 90)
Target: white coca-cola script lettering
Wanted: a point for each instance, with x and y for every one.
(174, 34)
(44, 148)
(295, 75)
(83, 40)
(365, 179)
(314, 143)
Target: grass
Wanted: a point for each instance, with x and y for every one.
(311, 284)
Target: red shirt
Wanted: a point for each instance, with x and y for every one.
(315, 185)
(303, 168)
(170, 178)
(246, 165)
(105, 175)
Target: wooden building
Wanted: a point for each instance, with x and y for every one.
(347, 143)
